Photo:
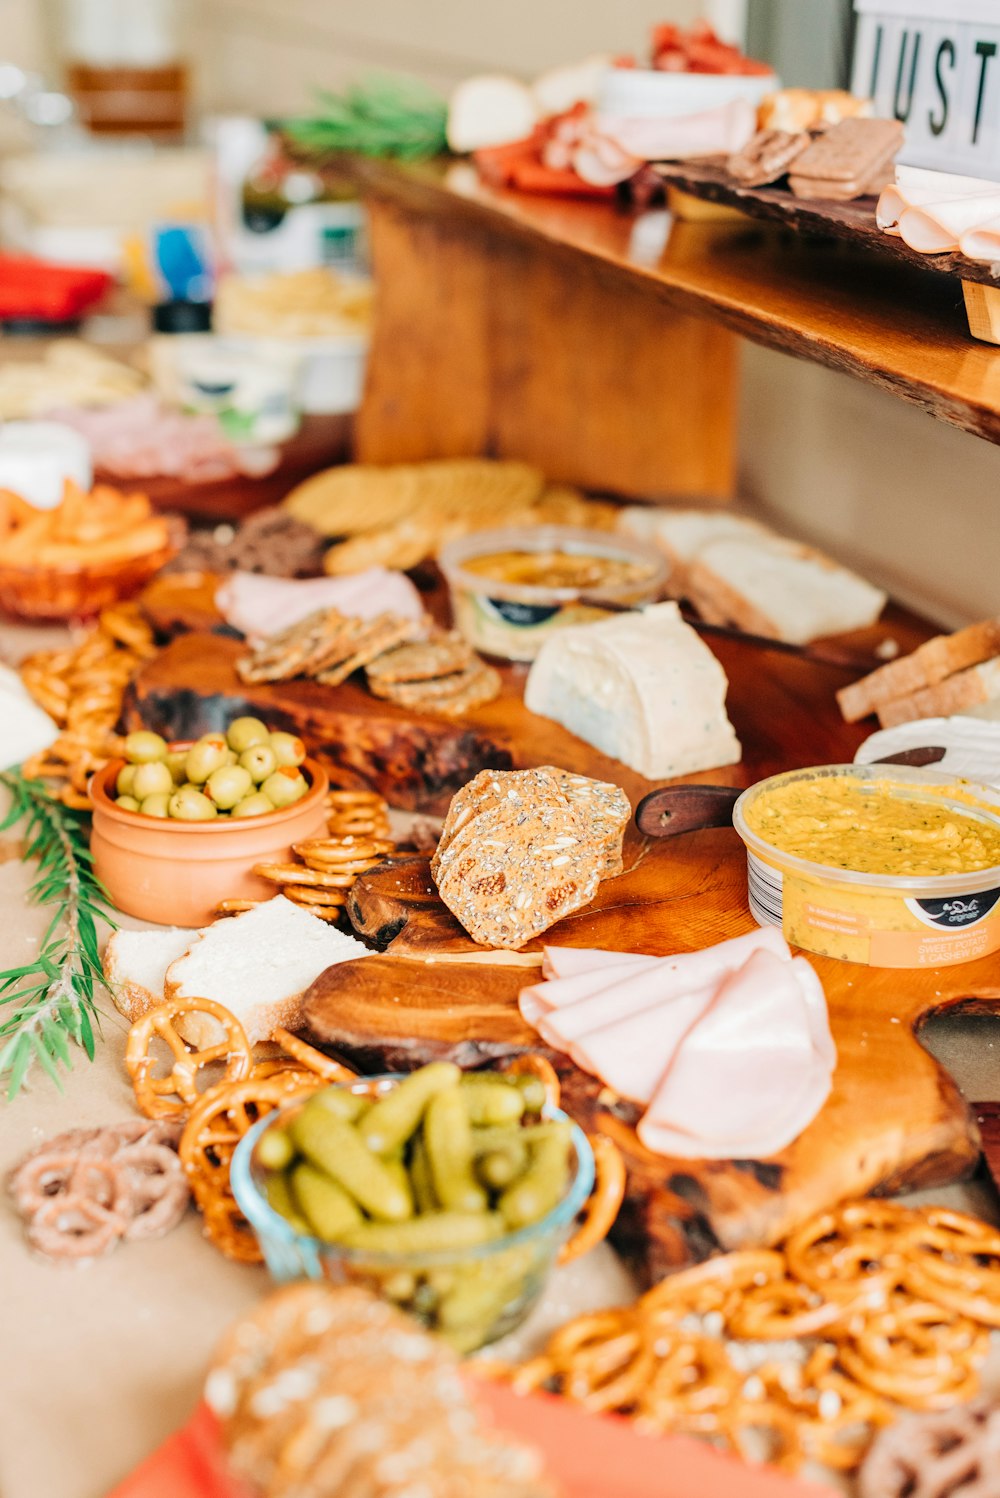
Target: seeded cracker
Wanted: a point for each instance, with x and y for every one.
(522, 849)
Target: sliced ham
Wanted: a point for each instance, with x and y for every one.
(635, 988)
(937, 227)
(568, 962)
(262, 606)
(730, 1047)
(715, 132)
(982, 242)
(748, 1078)
(631, 1055)
(541, 999)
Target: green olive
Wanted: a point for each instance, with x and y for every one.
(207, 755)
(126, 775)
(288, 750)
(155, 805)
(228, 786)
(128, 803)
(142, 747)
(151, 779)
(242, 733)
(232, 758)
(285, 786)
(253, 806)
(175, 763)
(259, 761)
(189, 805)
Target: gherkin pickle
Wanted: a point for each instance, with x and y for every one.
(396, 1115)
(492, 1101)
(327, 1208)
(278, 1191)
(336, 1147)
(448, 1138)
(543, 1184)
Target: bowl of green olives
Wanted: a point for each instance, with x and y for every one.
(450, 1193)
(179, 826)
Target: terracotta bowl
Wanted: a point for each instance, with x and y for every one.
(176, 873)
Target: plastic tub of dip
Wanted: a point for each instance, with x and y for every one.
(511, 588)
(904, 868)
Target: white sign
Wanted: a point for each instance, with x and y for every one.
(940, 77)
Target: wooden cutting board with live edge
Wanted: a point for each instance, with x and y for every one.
(894, 1120)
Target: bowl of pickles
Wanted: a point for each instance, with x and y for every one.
(450, 1193)
(179, 826)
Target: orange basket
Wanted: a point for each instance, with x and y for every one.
(57, 594)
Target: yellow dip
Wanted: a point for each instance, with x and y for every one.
(558, 569)
(874, 829)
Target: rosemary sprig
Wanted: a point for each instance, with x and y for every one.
(380, 116)
(49, 1002)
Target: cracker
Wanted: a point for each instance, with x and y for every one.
(767, 157)
(289, 653)
(422, 660)
(449, 695)
(371, 640)
(849, 154)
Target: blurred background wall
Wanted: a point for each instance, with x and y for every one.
(910, 502)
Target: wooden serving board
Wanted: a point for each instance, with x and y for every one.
(853, 221)
(894, 1120)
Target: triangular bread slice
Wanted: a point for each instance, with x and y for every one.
(936, 659)
(135, 966)
(956, 694)
(258, 966)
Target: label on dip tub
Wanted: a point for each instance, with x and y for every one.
(874, 926)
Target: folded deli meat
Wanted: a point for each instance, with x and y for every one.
(729, 1049)
(642, 688)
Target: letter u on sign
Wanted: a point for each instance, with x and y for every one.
(940, 77)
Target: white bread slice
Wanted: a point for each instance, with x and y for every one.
(738, 572)
(258, 966)
(924, 667)
(135, 965)
(956, 694)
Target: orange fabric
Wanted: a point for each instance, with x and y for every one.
(590, 1456)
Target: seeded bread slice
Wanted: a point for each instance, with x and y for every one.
(956, 694)
(924, 667)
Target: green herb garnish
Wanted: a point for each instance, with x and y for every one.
(380, 116)
(49, 1002)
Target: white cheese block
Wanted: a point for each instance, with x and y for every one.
(642, 688)
(27, 730)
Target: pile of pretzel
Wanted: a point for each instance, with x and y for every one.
(87, 1190)
(328, 867)
(167, 1075)
(799, 1354)
(82, 688)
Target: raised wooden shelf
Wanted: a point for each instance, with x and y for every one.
(898, 327)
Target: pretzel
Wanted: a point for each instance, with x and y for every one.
(218, 1122)
(896, 1303)
(172, 1095)
(604, 1203)
(84, 1191)
(312, 1059)
(936, 1455)
(297, 874)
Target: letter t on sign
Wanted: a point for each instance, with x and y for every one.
(985, 50)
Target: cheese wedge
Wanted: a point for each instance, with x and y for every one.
(642, 688)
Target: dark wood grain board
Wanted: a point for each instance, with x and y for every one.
(853, 221)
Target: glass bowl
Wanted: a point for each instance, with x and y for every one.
(469, 1296)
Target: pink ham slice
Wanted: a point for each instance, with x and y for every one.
(631, 1055)
(714, 132)
(578, 1004)
(752, 1073)
(568, 962)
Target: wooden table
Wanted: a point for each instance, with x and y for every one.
(483, 278)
